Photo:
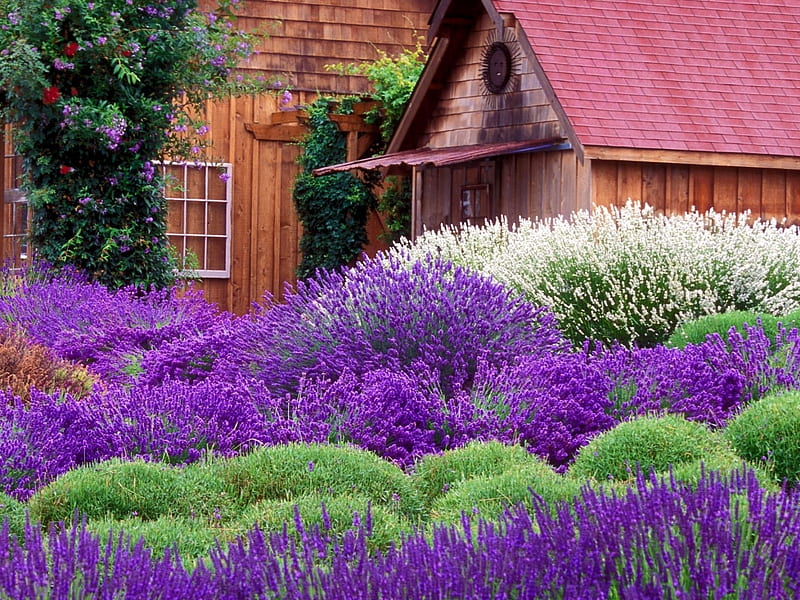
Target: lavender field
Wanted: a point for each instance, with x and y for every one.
(423, 425)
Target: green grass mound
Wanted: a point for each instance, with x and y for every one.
(488, 496)
(14, 512)
(342, 513)
(190, 538)
(646, 443)
(726, 463)
(121, 489)
(767, 432)
(436, 473)
(695, 331)
(288, 471)
(791, 320)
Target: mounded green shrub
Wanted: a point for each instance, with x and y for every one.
(695, 331)
(436, 473)
(288, 471)
(344, 512)
(791, 320)
(724, 463)
(488, 496)
(123, 489)
(646, 443)
(14, 512)
(767, 432)
(191, 538)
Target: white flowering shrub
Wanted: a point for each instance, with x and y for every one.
(628, 273)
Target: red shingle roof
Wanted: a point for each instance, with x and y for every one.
(704, 75)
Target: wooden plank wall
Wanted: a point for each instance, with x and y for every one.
(466, 115)
(532, 185)
(766, 193)
(304, 36)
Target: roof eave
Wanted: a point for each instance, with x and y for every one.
(693, 157)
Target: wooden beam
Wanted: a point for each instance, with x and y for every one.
(349, 123)
(288, 116)
(714, 159)
(276, 133)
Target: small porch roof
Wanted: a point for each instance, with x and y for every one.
(440, 157)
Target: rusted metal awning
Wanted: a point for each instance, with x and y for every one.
(440, 157)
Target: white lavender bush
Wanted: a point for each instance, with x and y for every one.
(628, 273)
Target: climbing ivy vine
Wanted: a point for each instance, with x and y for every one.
(332, 208)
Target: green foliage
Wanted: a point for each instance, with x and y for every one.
(646, 443)
(333, 515)
(288, 471)
(122, 489)
(191, 538)
(696, 330)
(726, 463)
(395, 205)
(435, 474)
(393, 79)
(791, 320)
(488, 496)
(97, 91)
(767, 432)
(14, 513)
(333, 209)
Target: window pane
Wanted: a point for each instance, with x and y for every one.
(217, 220)
(217, 250)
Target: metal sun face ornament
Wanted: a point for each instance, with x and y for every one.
(500, 64)
(497, 67)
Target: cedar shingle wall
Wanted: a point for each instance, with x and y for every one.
(305, 35)
(466, 114)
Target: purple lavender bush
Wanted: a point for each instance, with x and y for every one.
(108, 331)
(387, 314)
(724, 538)
(174, 423)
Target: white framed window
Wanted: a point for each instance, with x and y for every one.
(198, 198)
(16, 212)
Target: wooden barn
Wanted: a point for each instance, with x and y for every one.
(536, 108)
(245, 232)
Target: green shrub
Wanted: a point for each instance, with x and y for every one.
(436, 473)
(191, 538)
(488, 496)
(790, 320)
(15, 512)
(333, 209)
(344, 512)
(725, 463)
(288, 471)
(695, 331)
(646, 443)
(123, 489)
(767, 432)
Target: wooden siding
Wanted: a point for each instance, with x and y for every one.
(533, 185)
(465, 114)
(766, 193)
(306, 35)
